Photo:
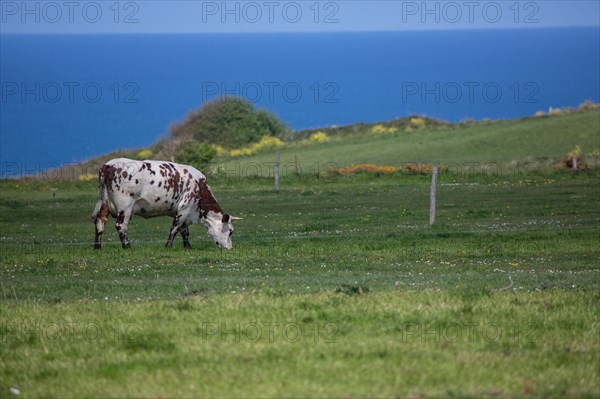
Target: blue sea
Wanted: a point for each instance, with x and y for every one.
(65, 98)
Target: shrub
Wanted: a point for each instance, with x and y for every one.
(263, 143)
(420, 168)
(88, 177)
(568, 161)
(588, 105)
(560, 111)
(555, 111)
(146, 153)
(318, 137)
(220, 149)
(380, 129)
(415, 123)
(197, 154)
(363, 168)
(228, 122)
(594, 153)
(574, 153)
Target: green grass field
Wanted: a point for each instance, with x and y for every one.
(538, 143)
(336, 287)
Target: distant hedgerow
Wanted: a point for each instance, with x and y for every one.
(420, 168)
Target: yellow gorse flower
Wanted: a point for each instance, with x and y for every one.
(251, 149)
(380, 129)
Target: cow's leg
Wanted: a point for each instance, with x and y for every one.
(185, 234)
(121, 225)
(175, 228)
(100, 222)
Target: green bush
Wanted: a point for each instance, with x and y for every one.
(228, 122)
(196, 154)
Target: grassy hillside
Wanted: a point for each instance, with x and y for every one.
(544, 140)
(330, 277)
(333, 276)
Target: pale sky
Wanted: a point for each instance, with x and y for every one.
(158, 16)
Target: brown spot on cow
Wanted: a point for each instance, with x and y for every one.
(103, 213)
(173, 182)
(107, 175)
(120, 220)
(206, 200)
(149, 167)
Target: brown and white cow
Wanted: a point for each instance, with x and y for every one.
(158, 188)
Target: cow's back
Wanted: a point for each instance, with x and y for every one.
(149, 187)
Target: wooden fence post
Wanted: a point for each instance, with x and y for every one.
(277, 154)
(432, 193)
(54, 208)
(296, 165)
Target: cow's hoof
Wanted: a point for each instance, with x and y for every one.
(188, 246)
(97, 246)
(126, 246)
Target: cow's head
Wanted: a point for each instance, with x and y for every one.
(220, 228)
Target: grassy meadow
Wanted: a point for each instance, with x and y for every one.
(498, 146)
(336, 287)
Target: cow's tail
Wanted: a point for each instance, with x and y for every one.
(103, 181)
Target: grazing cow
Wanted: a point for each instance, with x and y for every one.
(158, 188)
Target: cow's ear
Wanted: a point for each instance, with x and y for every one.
(226, 218)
